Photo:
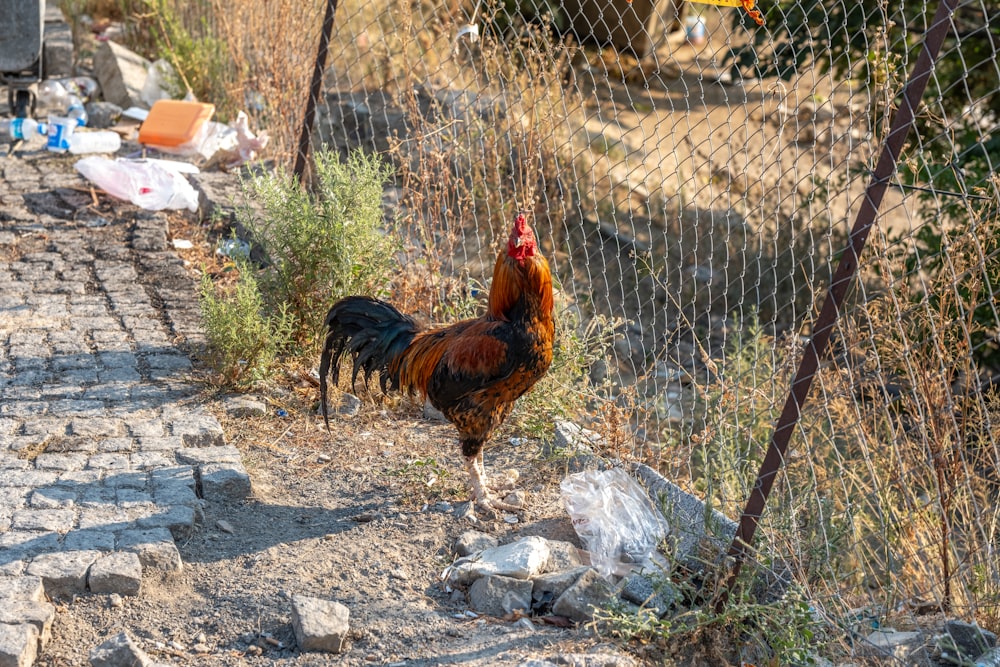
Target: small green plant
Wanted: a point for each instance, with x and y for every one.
(320, 246)
(743, 630)
(243, 341)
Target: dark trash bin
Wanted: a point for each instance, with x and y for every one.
(21, 36)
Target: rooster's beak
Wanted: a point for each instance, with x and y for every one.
(518, 243)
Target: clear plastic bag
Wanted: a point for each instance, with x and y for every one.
(146, 183)
(614, 518)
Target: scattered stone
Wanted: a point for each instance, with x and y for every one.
(244, 406)
(119, 651)
(432, 413)
(18, 645)
(521, 559)
(119, 573)
(574, 443)
(649, 592)
(121, 73)
(225, 526)
(63, 573)
(472, 541)
(498, 596)
(349, 405)
(102, 115)
(964, 641)
(888, 642)
(115, 601)
(549, 586)
(319, 625)
(563, 556)
(225, 482)
(971, 636)
(591, 591)
(596, 659)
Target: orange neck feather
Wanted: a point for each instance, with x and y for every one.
(512, 278)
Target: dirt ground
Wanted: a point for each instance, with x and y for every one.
(364, 516)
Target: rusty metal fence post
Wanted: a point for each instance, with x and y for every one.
(315, 86)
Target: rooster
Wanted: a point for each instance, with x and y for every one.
(473, 370)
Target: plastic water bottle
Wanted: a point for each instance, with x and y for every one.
(98, 141)
(54, 95)
(21, 128)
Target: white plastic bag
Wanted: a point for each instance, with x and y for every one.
(613, 517)
(146, 183)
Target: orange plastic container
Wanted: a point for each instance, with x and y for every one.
(174, 125)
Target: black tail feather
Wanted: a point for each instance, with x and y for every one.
(373, 332)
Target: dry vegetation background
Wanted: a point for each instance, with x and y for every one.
(692, 219)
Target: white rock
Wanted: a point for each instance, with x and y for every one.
(319, 625)
(522, 559)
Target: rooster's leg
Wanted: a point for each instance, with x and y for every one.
(480, 491)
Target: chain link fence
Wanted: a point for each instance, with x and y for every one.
(694, 178)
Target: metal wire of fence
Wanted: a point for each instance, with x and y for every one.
(694, 177)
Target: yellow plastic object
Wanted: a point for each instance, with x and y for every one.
(174, 124)
(747, 5)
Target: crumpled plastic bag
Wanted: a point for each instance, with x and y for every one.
(148, 184)
(614, 518)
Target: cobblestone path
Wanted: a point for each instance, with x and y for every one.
(105, 450)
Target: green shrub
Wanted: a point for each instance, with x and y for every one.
(244, 342)
(320, 246)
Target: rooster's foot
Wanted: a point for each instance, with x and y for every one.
(482, 499)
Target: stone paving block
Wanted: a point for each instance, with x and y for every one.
(109, 461)
(179, 520)
(225, 482)
(79, 479)
(154, 546)
(204, 455)
(39, 614)
(198, 430)
(57, 520)
(63, 573)
(75, 407)
(97, 427)
(168, 443)
(129, 479)
(11, 567)
(46, 427)
(52, 498)
(147, 427)
(119, 572)
(112, 445)
(103, 516)
(61, 461)
(169, 362)
(22, 588)
(18, 645)
(151, 460)
(20, 543)
(178, 493)
(89, 540)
